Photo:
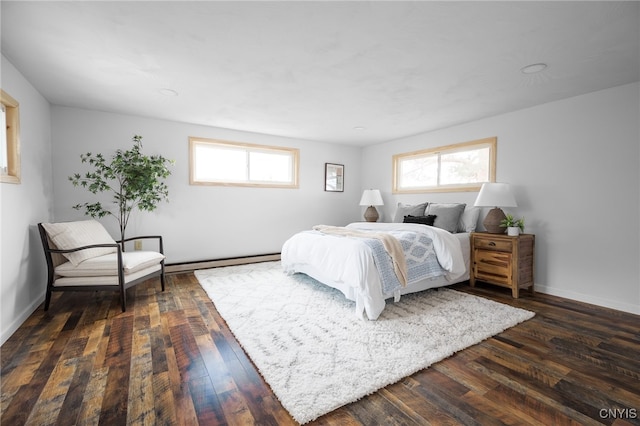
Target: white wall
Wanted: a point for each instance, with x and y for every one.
(205, 222)
(574, 167)
(22, 206)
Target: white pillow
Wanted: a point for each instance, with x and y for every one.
(469, 219)
(69, 235)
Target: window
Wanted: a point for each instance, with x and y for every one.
(9, 139)
(215, 162)
(459, 167)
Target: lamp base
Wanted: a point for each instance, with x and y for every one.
(371, 214)
(492, 221)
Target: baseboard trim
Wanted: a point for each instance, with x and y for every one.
(597, 301)
(175, 268)
(20, 319)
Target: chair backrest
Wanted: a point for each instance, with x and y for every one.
(54, 259)
(70, 236)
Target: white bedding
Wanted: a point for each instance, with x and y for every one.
(347, 263)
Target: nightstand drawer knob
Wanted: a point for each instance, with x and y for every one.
(492, 244)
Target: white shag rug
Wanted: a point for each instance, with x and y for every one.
(317, 356)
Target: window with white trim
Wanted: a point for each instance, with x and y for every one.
(217, 162)
(460, 167)
(9, 139)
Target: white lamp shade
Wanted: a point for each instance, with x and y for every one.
(495, 194)
(371, 197)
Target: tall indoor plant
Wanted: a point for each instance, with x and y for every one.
(133, 179)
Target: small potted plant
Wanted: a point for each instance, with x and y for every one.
(514, 226)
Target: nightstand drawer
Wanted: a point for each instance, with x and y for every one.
(498, 244)
(493, 266)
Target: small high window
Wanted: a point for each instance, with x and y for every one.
(459, 167)
(216, 162)
(9, 139)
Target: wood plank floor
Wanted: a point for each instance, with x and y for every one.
(171, 360)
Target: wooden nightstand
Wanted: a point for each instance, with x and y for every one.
(503, 260)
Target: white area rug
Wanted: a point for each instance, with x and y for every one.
(317, 356)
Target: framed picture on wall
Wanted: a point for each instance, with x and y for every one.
(333, 177)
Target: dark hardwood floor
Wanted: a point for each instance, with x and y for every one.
(171, 360)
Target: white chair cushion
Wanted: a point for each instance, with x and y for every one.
(104, 280)
(107, 265)
(70, 235)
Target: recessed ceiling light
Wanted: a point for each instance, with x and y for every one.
(168, 92)
(533, 68)
(359, 128)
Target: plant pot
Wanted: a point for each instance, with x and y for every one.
(513, 231)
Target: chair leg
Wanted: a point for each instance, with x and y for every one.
(162, 280)
(47, 299)
(123, 299)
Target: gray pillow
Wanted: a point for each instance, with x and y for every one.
(469, 219)
(447, 215)
(409, 210)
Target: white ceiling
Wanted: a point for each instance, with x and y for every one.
(318, 70)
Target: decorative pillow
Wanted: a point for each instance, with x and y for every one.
(409, 210)
(69, 235)
(469, 219)
(423, 220)
(448, 215)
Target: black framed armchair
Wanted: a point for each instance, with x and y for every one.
(82, 256)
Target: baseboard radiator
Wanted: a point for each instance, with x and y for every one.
(174, 268)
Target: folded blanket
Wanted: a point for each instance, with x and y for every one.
(391, 245)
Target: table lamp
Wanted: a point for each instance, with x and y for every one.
(371, 198)
(496, 195)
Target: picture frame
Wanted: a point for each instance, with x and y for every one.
(333, 177)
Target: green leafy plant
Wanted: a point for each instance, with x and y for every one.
(133, 179)
(509, 221)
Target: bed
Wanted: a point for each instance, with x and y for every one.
(350, 264)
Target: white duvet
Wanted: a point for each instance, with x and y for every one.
(347, 263)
